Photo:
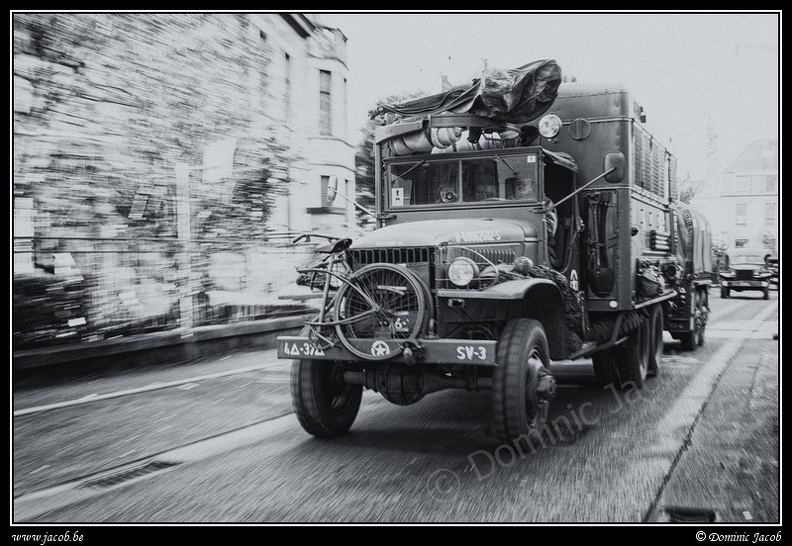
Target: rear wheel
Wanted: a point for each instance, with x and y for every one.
(695, 338)
(725, 293)
(632, 358)
(522, 384)
(605, 372)
(691, 340)
(656, 326)
(766, 294)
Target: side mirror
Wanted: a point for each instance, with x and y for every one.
(332, 188)
(615, 161)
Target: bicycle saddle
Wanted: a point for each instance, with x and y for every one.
(336, 246)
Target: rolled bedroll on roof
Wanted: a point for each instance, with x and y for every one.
(516, 95)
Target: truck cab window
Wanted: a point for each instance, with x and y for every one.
(443, 182)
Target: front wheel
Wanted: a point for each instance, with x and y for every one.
(725, 293)
(522, 384)
(325, 405)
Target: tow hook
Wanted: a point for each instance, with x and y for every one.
(412, 353)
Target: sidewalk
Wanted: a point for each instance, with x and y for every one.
(730, 470)
(176, 345)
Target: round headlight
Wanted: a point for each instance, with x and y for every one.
(461, 271)
(549, 126)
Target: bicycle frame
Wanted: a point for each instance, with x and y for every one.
(328, 302)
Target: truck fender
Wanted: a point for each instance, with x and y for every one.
(509, 290)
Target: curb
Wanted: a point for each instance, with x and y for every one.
(165, 347)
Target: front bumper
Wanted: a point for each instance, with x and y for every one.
(430, 351)
(745, 285)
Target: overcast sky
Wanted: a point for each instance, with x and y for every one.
(684, 68)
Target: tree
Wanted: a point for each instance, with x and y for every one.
(364, 174)
(364, 162)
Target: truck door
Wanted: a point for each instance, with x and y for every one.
(563, 247)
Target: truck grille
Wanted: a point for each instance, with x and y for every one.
(483, 256)
(427, 262)
(743, 275)
(420, 260)
(415, 255)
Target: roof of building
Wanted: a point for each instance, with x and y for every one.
(760, 155)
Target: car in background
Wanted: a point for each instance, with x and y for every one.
(745, 269)
(771, 260)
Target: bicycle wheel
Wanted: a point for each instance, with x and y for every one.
(379, 303)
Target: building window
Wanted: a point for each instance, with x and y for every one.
(771, 183)
(325, 103)
(287, 68)
(344, 103)
(770, 214)
(742, 184)
(740, 242)
(329, 197)
(740, 213)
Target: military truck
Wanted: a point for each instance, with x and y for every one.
(745, 269)
(519, 222)
(688, 312)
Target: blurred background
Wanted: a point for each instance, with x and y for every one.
(162, 162)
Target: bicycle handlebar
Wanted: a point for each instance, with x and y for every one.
(307, 237)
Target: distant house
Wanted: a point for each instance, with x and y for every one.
(309, 72)
(742, 202)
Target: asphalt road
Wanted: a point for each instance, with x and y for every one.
(216, 442)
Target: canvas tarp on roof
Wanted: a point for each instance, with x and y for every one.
(517, 95)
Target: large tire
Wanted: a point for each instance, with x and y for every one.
(605, 371)
(691, 340)
(725, 292)
(656, 326)
(522, 384)
(325, 406)
(632, 358)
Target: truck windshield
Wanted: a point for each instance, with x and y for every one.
(474, 180)
(746, 259)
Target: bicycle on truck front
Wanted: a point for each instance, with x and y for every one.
(503, 241)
